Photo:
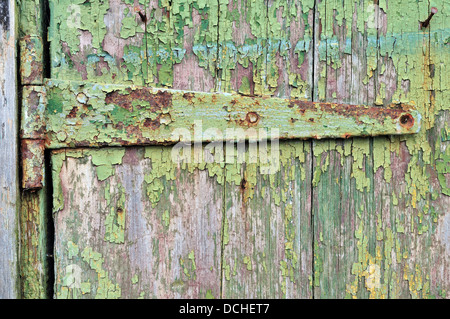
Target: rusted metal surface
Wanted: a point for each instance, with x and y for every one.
(32, 152)
(33, 112)
(86, 114)
(31, 60)
(77, 114)
(32, 133)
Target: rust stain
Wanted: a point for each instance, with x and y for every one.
(72, 113)
(407, 121)
(393, 111)
(156, 100)
(252, 118)
(189, 96)
(152, 124)
(32, 163)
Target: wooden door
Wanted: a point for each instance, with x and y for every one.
(339, 218)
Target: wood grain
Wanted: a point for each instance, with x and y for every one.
(376, 235)
(9, 183)
(149, 230)
(167, 246)
(356, 218)
(267, 247)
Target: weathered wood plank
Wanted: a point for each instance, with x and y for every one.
(341, 193)
(381, 242)
(267, 233)
(195, 26)
(267, 227)
(378, 223)
(158, 43)
(242, 46)
(110, 42)
(9, 183)
(417, 203)
(131, 223)
(35, 237)
(35, 243)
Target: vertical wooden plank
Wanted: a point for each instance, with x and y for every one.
(151, 43)
(267, 235)
(408, 174)
(241, 59)
(35, 263)
(130, 223)
(344, 236)
(385, 233)
(438, 234)
(9, 183)
(289, 57)
(158, 43)
(195, 40)
(267, 247)
(411, 228)
(34, 270)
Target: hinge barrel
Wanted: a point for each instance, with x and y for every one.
(32, 127)
(32, 134)
(32, 164)
(32, 122)
(31, 60)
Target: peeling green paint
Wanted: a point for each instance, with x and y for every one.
(72, 249)
(106, 289)
(103, 159)
(188, 265)
(115, 220)
(396, 59)
(135, 279)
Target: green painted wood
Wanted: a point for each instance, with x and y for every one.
(130, 223)
(176, 209)
(86, 114)
(267, 225)
(381, 232)
(36, 264)
(108, 41)
(356, 218)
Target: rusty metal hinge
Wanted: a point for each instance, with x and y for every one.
(66, 114)
(32, 134)
(32, 129)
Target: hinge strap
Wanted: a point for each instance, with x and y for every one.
(70, 114)
(32, 131)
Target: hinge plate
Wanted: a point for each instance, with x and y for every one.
(68, 114)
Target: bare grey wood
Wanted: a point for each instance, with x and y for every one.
(149, 230)
(9, 194)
